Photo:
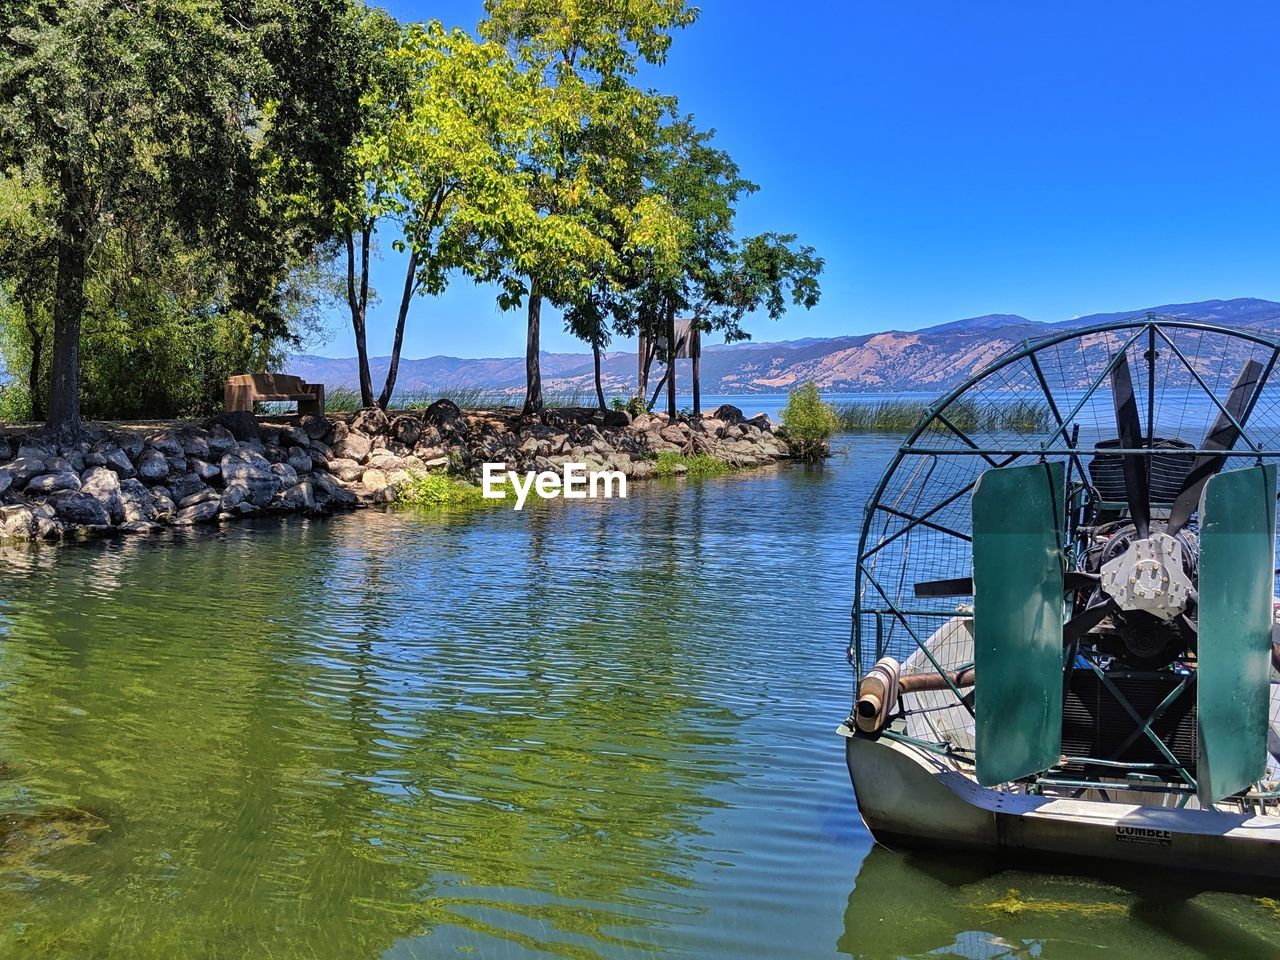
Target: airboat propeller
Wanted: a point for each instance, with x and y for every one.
(1117, 646)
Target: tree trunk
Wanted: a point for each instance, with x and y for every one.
(657, 390)
(695, 351)
(37, 361)
(595, 353)
(384, 401)
(68, 310)
(358, 302)
(671, 361)
(642, 368)
(533, 372)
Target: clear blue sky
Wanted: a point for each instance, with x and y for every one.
(953, 159)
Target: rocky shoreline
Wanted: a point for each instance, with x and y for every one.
(124, 478)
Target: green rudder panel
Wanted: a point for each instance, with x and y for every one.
(1237, 560)
(1018, 515)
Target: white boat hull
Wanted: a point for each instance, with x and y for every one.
(910, 796)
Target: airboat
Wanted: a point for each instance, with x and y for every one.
(1065, 609)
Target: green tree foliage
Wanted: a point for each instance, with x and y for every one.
(809, 421)
(214, 129)
(439, 160)
(580, 156)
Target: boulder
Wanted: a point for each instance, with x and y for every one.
(166, 443)
(195, 447)
(761, 421)
(201, 512)
(315, 427)
(53, 483)
(300, 460)
(220, 442)
(132, 445)
(152, 466)
(81, 509)
(22, 469)
(184, 485)
(406, 429)
(234, 495)
(329, 491)
(136, 502)
(292, 435)
(115, 459)
(242, 424)
(203, 496)
(442, 412)
(346, 470)
(374, 480)
(354, 446)
(139, 526)
(370, 421)
(205, 471)
(17, 523)
(615, 419)
(162, 505)
(728, 413)
(103, 485)
(288, 476)
(254, 472)
(6, 481)
(300, 496)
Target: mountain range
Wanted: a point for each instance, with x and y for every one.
(895, 360)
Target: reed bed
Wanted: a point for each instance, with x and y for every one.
(971, 416)
(346, 400)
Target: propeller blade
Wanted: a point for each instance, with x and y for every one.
(1082, 623)
(1222, 436)
(960, 587)
(1130, 433)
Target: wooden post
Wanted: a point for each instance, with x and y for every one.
(695, 352)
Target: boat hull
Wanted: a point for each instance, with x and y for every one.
(909, 796)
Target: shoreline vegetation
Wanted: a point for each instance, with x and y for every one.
(902, 416)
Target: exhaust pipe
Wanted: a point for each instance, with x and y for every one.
(880, 688)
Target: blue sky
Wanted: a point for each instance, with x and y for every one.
(950, 160)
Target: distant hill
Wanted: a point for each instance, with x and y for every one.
(929, 359)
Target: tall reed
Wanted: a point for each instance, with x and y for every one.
(971, 416)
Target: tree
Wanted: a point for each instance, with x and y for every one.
(581, 54)
(188, 115)
(439, 161)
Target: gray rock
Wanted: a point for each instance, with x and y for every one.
(254, 472)
(22, 469)
(315, 427)
(17, 523)
(30, 450)
(293, 435)
(6, 481)
(132, 445)
(81, 509)
(728, 413)
(152, 466)
(185, 485)
(140, 526)
(220, 442)
(102, 484)
(47, 529)
(166, 443)
(205, 471)
(242, 424)
(300, 460)
(344, 469)
(196, 447)
(177, 464)
(354, 446)
(201, 512)
(53, 483)
(204, 496)
(288, 476)
(374, 479)
(370, 421)
(442, 412)
(136, 502)
(62, 465)
(322, 450)
(330, 492)
(234, 495)
(117, 460)
(406, 429)
(162, 506)
(300, 496)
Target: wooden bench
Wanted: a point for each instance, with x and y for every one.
(242, 391)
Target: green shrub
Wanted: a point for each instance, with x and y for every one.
(809, 422)
(15, 403)
(441, 490)
(697, 467)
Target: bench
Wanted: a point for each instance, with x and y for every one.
(242, 391)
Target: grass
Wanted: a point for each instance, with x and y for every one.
(347, 400)
(971, 416)
(441, 490)
(697, 467)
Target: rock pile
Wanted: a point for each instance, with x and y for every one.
(126, 480)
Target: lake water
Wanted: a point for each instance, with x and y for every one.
(597, 730)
